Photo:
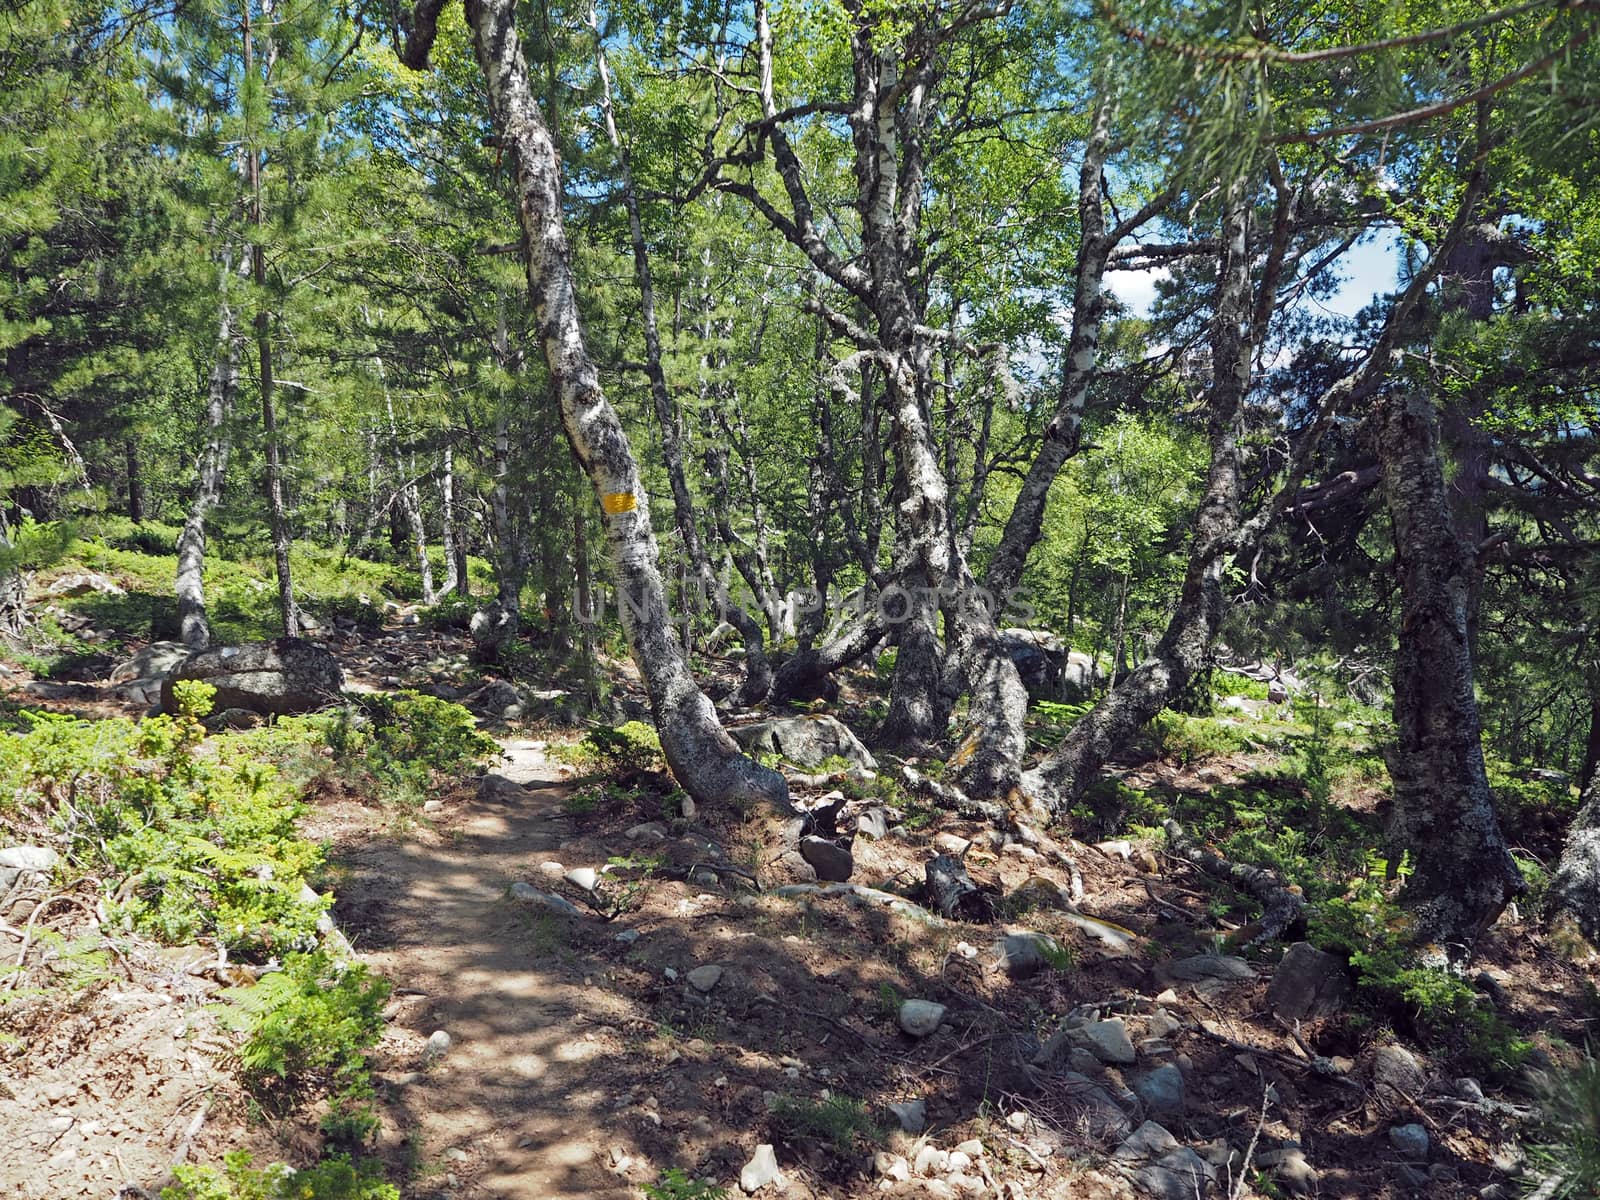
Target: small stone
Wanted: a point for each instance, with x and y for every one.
(972, 1148)
(931, 1160)
(456, 1154)
(1108, 1041)
(1411, 1141)
(703, 979)
(761, 1170)
(649, 831)
(1397, 1077)
(959, 1160)
(1025, 954)
(438, 1045)
(551, 868)
(873, 824)
(1018, 1121)
(1162, 1092)
(1470, 1089)
(433, 806)
(1085, 1062)
(832, 863)
(1209, 966)
(911, 1114)
(529, 894)
(1412, 1177)
(583, 877)
(1308, 984)
(627, 937)
(1122, 850)
(890, 1166)
(919, 1018)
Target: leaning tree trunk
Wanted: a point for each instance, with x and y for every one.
(702, 755)
(1443, 809)
(1575, 889)
(757, 670)
(193, 627)
(455, 552)
(1061, 777)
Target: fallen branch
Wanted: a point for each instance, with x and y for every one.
(1281, 904)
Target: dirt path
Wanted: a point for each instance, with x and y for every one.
(514, 1107)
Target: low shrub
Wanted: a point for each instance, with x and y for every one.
(336, 1177)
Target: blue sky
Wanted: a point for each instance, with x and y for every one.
(1369, 269)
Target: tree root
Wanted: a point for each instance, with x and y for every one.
(1281, 904)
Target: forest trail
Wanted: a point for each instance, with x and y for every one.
(512, 1108)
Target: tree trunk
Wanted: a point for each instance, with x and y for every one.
(702, 756)
(757, 670)
(1061, 777)
(130, 454)
(1575, 889)
(408, 497)
(455, 551)
(277, 511)
(1443, 810)
(193, 628)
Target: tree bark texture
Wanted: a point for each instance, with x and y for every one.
(702, 756)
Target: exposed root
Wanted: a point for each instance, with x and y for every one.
(1281, 904)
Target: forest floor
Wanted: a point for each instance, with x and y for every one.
(591, 1052)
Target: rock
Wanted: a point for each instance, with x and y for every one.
(806, 741)
(1163, 1167)
(703, 979)
(627, 937)
(38, 859)
(276, 678)
(1084, 1062)
(912, 1115)
(890, 1166)
(583, 877)
(1414, 1178)
(529, 894)
(1208, 966)
(1108, 1041)
(1162, 1092)
(972, 1148)
(491, 628)
(1298, 1176)
(931, 1160)
(495, 699)
(831, 862)
(1122, 850)
(873, 824)
(649, 831)
(1470, 1089)
(1277, 693)
(1022, 955)
(1092, 1108)
(1397, 1077)
(1162, 1024)
(234, 718)
(152, 662)
(433, 806)
(1308, 984)
(438, 1045)
(919, 1018)
(761, 1170)
(81, 583)
(1411, 1141)
(958, 1161)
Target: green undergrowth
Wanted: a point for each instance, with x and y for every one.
(338, 1177)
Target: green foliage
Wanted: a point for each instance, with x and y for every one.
(311, 1022)
(402, 741)
(841, 1121)
(1435, 1003)
(199, 844)
(675, 1185)
(1569, 1131)
(629, 750)
(334, 1178)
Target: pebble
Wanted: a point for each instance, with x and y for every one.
(552, 868)
(761, 1170)
(972, 1147)
(1410, 1140)
(627, 937)
(919, 1018)
(1162, 1092)
(703, 979)
(583, 877)
(438, 1045)
(931, 1160)
(1109, 1041)
(890, 1166)
(433, 806)
(650, 831)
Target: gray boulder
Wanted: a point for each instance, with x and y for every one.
(1048, 669)
(276, 678)
(1162, 1166)
(832, 862)
(805, 741)
(1309, 983)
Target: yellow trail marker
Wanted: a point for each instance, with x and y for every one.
(619, 502)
